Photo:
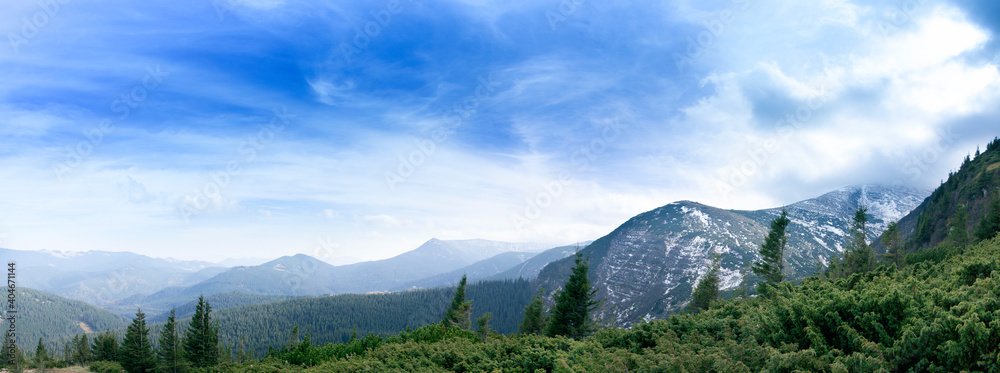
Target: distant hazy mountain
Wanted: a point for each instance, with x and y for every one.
(302, 275)
(648, 266)
(477, 271)
(237, 262)
(432, 258)
(100, 277)
(530, 268)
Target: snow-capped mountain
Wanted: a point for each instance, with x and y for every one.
(648, 266)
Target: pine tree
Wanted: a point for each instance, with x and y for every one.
(771, 267)
(858, 256)
(136, 350)
(41, 356)
(170, 350)
(571, 314)
(534, 317)
(483, 328)
(707, 290)
(892, 240)
(459, 314)
(105, 347)
(990, 225)
(201, 340)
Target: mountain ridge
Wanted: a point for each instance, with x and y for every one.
(648, 266)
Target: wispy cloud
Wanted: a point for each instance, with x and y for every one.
(590, 118)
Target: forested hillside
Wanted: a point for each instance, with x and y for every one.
(960, 203)
(53, 318)
(940, 313)
(219, 302)
(336, 318)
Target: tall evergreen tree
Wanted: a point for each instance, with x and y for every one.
(136, 350)
(892, 241)
(105, 347)
(483, 328)
(68, 351)
(170, 352)
(707, 290)
(858, 256)
(459, 314)
(571, 314)
(534, 317)
(41, 355)
(771, 267)
(990, 225)
(201, 340)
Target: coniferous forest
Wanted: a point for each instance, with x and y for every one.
(923, 298)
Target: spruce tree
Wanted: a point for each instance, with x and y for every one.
(105, 347)
(571, 314)
(771, 267)
(201, 340)
(136, 351)
(534, 317)
(68, 351)
(990, 225)
(41, 356)
(483, 328)
(892, 240)
(459, 314)
(858, 256)
(170, 352)
(707, 290)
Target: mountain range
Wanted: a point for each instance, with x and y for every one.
(643, 269)
(647, 267)
(100, 277)
(301, 275)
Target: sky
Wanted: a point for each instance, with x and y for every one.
(259, 128)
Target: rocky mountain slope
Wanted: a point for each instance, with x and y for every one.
(648, 266)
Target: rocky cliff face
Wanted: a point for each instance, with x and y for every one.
(648, 266)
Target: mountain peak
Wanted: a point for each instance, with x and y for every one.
(648, 266)
(295, 260)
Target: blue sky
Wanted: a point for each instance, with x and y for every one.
(260, 128)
